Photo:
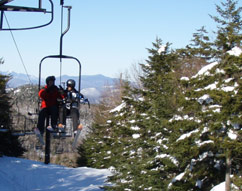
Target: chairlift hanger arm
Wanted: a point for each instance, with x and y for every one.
(4, 7)
(3, 2)
(22, 9)
(67, 28)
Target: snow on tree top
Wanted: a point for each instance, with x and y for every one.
(162, 49)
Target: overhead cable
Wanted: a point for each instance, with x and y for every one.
(21, 58)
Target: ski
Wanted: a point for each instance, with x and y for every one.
(74, 144)
(39, 136)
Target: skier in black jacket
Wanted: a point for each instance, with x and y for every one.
(72, 101)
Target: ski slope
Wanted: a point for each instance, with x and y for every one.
(18, 174)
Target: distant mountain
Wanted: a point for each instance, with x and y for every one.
(91, 85)
(19, 79)
(90, 81)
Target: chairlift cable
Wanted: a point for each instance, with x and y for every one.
(60, 70)
(15, 43)
(61, 34)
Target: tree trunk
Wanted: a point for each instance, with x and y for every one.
(228, 172)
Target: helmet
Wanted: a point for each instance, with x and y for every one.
(70, 83)
(50, 78)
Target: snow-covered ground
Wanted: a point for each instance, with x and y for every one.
(18, 174)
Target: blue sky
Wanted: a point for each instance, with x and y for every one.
(107, 36)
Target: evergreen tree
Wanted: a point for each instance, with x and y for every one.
(209, 127)
(229, 29)
(131, 140)
(89, 151)
(177, 134)
(9, 145)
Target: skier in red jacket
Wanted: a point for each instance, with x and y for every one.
(49, 105)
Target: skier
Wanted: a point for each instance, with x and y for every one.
(72, 99)
(49, 105)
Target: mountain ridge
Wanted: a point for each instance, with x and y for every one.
(91, 85)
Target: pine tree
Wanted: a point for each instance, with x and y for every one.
(229, 29)
(197, 54)
(9, 145)
(176, 134)
(210, 126)
(89, 151)
(131, 140)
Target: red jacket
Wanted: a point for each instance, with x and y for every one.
(49, 96)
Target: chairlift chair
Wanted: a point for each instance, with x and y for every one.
(60, 57)
(25, 127)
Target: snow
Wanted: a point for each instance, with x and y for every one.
(187, 135)
(205, 155)
(236, 51)
(176, 118)
(214, 87)
(136, 136)
(232, 135)
(220, 71)
(228, 88)
(180, 176)
(205, 69)
(136, 128)
(184, 78)
(180, 118)
(173, 159)
(162, 49)
(205, 98)
(216, 108)
(17, 91)
(177, 178)
(228, 80)
(118, 108)
(211, 86)
(26, 175)
(199, 143)
(221, 187)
